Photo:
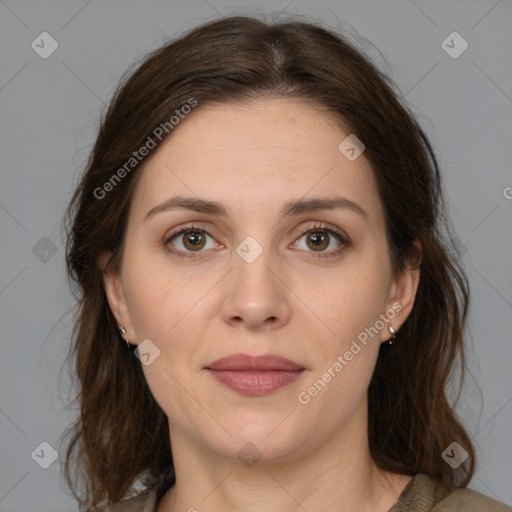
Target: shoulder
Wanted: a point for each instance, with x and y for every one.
(145, 502)
(467, 500)
(426, 494)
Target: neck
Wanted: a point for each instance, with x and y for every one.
(337, 470)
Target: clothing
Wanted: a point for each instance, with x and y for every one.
(422, 494)
(425, 494)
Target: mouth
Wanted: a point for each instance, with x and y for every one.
(255, 376)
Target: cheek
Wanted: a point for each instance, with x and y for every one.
(166, 306)
(150, 291)
(161, 308)
(345, 356)
(347, 303)
(167, 310)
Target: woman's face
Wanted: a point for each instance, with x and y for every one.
(261, 272)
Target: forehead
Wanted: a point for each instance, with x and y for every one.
(254, 154)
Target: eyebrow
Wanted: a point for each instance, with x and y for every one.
(289, 209)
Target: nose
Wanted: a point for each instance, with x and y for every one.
(256, 296)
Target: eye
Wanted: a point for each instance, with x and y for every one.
(319, 239)
(191, 239)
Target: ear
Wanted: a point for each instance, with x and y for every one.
(114, 291)
(403, 290)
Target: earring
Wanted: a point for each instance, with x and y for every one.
(392, 340)
(122, 330)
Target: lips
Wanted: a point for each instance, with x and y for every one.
(254, 376)
(245, 362)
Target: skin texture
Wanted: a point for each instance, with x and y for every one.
(254, 158)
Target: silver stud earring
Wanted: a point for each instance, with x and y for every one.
(122, 330)
(392, 340)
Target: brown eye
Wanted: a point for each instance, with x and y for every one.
(189, 240)
(317, 240)
(193, 240)
(321, 240)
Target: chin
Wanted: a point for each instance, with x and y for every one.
(258, 436)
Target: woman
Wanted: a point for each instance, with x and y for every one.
(259, 241)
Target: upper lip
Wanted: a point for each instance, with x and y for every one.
(246, 362)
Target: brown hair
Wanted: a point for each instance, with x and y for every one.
(121, 436)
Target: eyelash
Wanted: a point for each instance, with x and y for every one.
(344, 241)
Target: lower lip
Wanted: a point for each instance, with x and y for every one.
(255, 383)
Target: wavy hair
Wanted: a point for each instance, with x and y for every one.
(121, 435)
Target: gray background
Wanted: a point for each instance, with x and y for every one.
(50, 111)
